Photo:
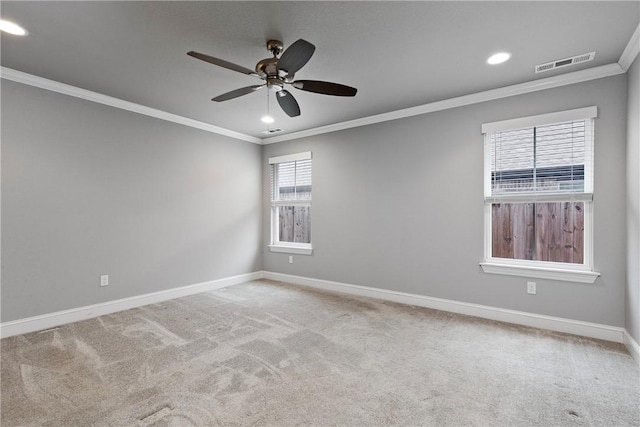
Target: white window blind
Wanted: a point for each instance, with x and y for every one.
(543, 162)
(291, 180)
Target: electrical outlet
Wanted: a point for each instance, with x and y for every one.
(290, 259)
(104, 280)
(531, 288)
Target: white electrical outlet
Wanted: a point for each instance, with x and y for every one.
(104, 280)
(531, 288)
(290, 259)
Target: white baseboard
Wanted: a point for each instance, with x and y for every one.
(575, 327)
(51, 320)
(632, 346)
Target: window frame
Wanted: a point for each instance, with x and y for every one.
(572, 272)
(275, 244)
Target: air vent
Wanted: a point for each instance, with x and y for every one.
(565, 62)
(272, 131)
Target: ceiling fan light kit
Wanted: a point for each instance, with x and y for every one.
(277, 72)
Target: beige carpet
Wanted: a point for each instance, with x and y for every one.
(266, 353)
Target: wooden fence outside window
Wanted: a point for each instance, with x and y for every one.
(538, 231)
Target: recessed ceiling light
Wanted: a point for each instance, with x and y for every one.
(267, 119)
(498, 58)
(12, 28)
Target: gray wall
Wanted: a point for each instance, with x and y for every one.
(399, 205)
(89, 189)
(632, 308)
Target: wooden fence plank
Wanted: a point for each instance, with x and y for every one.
(518, 231)
(555, 225)
(496, 235)
(542, 231)
(578, 233)
(502, 244)
(530, 233)
(567, 248)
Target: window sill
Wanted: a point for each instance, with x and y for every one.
(540, 272)
(291, 249)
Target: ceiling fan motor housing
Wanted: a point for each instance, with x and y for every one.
(268, 68)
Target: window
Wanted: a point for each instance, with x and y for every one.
(538, 196)
(291, 203)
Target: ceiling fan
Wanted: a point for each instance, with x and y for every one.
(276, 72)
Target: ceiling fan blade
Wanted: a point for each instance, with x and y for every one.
(222, 63)
(288, 103)
(326, 88)
(295, 56)
(238, 92)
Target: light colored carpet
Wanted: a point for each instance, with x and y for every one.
(267, 353)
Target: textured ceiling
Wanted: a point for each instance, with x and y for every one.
(398, 54)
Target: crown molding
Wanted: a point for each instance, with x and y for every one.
(631, 51)
(461, 101)
(54, 86)
(475, 98)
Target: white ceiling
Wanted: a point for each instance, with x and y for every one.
(398, 54)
